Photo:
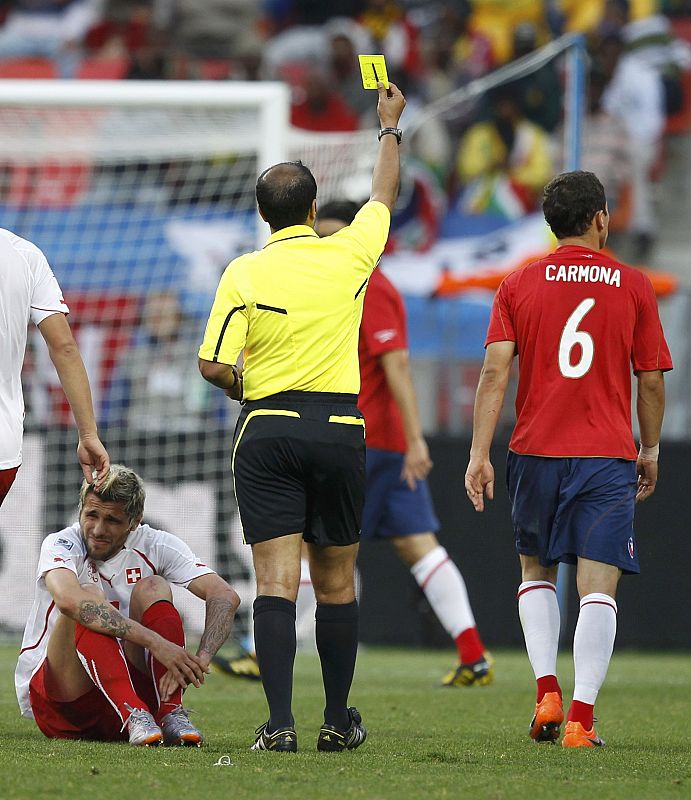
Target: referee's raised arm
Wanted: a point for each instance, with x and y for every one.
(387, 167)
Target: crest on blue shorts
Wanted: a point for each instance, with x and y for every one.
(631, 546)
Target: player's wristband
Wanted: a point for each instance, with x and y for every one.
(397, 132)
(649, 453)
(236, 375)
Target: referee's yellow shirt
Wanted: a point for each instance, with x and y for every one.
(295, 307)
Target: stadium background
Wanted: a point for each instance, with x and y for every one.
(139, 210)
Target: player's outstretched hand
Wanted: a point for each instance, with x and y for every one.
(390, 105)
(647, 479)
(416, 464)
(183, 667)
(479, 478)
(93, 456)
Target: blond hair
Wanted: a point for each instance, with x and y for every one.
(122, 485)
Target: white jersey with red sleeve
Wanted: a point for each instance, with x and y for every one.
(581, 322)
(29, 292)
(147, 551)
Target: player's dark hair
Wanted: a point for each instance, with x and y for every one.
(570, 201)
(285, 193)
(342, 210)
(122, 485)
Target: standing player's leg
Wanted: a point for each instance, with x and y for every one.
(534, 486)
(333, 577)
(443, 585)
(601, 527)
(151, 604)
(593, 644)
(538, 611)
(77, 660)
(277, 567)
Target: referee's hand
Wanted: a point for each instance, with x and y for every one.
(235, 391)
(390, 105)
(479, 478)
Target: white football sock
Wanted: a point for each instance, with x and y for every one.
(538, 610)
(305, 609)
(593, 643)
(444, 587)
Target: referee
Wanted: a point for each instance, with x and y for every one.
(299, 453)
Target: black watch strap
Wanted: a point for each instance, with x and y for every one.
(397, 132)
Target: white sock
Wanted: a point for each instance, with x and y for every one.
(539, 614)
(305, 609)
(593, 643)
(444, 587)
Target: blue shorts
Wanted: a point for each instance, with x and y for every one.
(565, 508)
(391, 507)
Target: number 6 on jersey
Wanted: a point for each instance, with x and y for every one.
(570, 337)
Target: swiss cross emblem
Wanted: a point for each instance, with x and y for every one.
(134, 575)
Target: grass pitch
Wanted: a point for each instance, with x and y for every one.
(424, 741)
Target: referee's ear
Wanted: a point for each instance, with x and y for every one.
(312, 214)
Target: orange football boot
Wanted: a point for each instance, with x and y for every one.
(549, 714)
(577, 736)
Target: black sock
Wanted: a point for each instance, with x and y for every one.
(274, 640)
(337, 634)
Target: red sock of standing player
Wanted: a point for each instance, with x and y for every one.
(164, 618)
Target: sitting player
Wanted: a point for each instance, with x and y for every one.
(103, 648)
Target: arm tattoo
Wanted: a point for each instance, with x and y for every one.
(108, 619)
(219, 621)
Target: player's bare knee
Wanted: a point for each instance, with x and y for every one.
(150, 590)
(410, 549)
(336, 598)
(334, 588)
(288, 589)
(532, 570)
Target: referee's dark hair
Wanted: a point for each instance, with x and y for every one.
(285, 193)
(570, 201)
(342, 210)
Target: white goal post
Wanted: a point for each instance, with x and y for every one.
(266, 135)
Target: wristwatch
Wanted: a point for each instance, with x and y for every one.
(397, 132)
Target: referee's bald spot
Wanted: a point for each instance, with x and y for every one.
(281, 176)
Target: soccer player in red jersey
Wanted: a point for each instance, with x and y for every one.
(398, 504)
(579, 322)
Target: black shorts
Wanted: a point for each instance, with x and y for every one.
(299, 466)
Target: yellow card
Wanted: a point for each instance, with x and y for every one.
(373, 69)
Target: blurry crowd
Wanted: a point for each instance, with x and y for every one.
(491, 157)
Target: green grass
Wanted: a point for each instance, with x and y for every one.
(424, 742)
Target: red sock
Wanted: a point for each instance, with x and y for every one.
(469, 646)
(545, 684)
(164, 618)
(104, 660)
(581, 712)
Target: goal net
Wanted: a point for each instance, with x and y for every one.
(139, 195)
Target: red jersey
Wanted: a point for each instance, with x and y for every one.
(382, 329)
(580, 320)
